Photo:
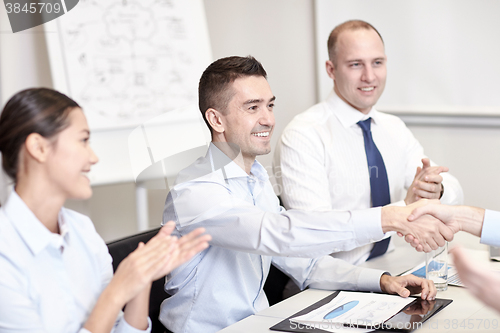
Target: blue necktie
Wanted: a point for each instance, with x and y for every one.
(379, 183)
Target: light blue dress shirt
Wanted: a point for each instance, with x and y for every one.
(49, 282)
(223, 284)
(490, 233)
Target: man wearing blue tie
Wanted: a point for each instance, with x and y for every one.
(344, 154)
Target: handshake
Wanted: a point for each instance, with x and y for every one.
(426, 224)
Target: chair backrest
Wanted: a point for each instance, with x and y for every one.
(120, 249)
(276, 281)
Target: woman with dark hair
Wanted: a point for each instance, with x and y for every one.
(55, 270)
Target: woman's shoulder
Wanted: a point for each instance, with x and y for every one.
(14, 253)
(8, 234)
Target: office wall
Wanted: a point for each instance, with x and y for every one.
(431, 46)
(280, 33)
(23, 64)
(473, 156)
(236, 27)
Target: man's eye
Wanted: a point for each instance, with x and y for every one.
(271, 105)
(355, 64)
(254, 107)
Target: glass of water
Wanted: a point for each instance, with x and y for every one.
(436, 267)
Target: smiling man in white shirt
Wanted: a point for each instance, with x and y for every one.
(228, 192)
(322, 160)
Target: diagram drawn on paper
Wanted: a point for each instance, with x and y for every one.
(128, 61)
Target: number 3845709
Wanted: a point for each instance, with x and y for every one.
(32, 8)
(471, 324)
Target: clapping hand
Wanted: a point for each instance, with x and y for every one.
(156, 258)
(427, 183)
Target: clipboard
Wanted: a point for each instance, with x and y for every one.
(287, 326)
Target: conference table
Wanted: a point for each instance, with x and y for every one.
(464, 314)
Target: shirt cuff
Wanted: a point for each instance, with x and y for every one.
(367, 225)
(124, 327)
(490, 234)
(369, 280)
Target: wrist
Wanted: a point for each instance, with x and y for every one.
(136, 310)
(410, 197)
(471, 220)
(391, 219)
(384, 282)
(113, 295)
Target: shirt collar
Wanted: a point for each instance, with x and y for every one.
(346, 114)
(259, 171)
(32, 231)
(63, 226)
(230, 168)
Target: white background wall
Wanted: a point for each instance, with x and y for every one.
(438, 52)
(280, 33)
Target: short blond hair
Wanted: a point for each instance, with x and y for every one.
(348, 25)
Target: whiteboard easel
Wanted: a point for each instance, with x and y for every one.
(103, 52)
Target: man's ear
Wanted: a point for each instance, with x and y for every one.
(330, 69)
(215, 120)
(37, 147)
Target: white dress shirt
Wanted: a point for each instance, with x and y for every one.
(320, 162)
(49, 282)
(223, 284)
(490, 234)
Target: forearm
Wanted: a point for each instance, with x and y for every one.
(470, 219)
(329, 273)
(336, 274)
(103, 316)
(292, 233)
(137, 310)
(392, 216)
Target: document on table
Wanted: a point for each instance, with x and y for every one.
(355, 309)
(453, 278)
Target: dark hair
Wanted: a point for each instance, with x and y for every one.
(214, 90)
(37, 110)
(348, 25)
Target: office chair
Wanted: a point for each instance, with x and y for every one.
(121, 248)
(276, 282)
